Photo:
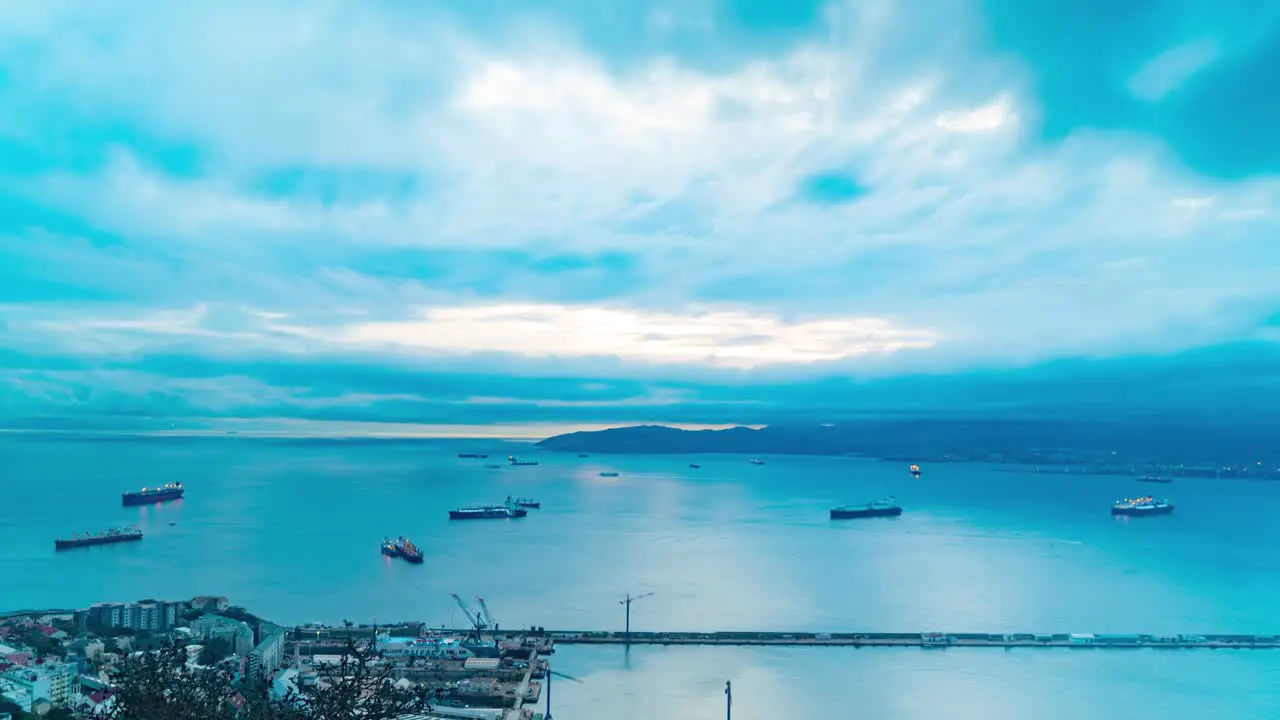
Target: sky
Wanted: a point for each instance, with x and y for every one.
(487, 213)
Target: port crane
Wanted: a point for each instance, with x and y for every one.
(627, 601)
(487, 616)
(477, 622)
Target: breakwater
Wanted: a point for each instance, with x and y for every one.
(923, 639)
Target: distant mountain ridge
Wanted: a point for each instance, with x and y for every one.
(962, 438)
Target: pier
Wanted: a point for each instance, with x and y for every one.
(330, 639)
(923, 640)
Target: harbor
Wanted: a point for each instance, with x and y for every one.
(317, 639)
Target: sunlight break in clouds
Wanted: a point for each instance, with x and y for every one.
(460, 188)
(728, 339)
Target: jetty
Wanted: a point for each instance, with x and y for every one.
(545, 640)
(922, 639)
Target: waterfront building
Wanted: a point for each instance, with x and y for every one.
(151, 615)
(266, 656)
(435, 648)
(236, 633)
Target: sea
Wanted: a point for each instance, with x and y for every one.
(290, 529)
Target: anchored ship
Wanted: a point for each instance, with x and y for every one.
(516, 461)
(147, 496)
(524, 503)
(608, 474)
(695, 466)
(389, 548)
(1153, 479)
(879, 508)
(756, 461)
(472, 455)
(1142, 506)
(488, 512)
(408, 550)
(107, 537)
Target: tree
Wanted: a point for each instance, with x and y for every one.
(213, 651)
(6, 706)
(60, 713)
(160, 686)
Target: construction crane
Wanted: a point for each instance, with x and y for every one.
(551, 672)
(485, 615)
(476, 621)
(627, 601)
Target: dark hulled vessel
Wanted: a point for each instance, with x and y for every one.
(489, 512)
(1140, 507)
(408, 550)
(107, 537)
(147, 496)
(1153, 479)
(389, 548)
(880, 508)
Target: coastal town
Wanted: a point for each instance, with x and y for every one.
(64, 663)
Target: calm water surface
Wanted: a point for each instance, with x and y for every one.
(291, 531)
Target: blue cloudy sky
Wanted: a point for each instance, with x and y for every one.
(707, 211)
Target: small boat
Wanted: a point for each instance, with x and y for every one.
(409, 551)
(695, 466)
(583, 455)
(524, 503)
(915, 471)
(515, 461)
(389, 548)
(879, 508)
(172, 524)
(756, 461)
(608, 474)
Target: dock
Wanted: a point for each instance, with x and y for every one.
(544, 641)
(924, 640)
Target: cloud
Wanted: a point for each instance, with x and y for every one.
(1168, 71)
(858, 191)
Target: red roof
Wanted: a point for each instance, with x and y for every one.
(100, 696)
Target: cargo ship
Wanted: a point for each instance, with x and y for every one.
(879, 508)
(608, 474)
(1137, 507)
(107, 537)
(756, 461)
(389, 548)
(408, 550)
(524, 503)
(477, 456)
(915, 471)
(516, 461)
(1153, 479)
(488, 512)
(147, 496)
